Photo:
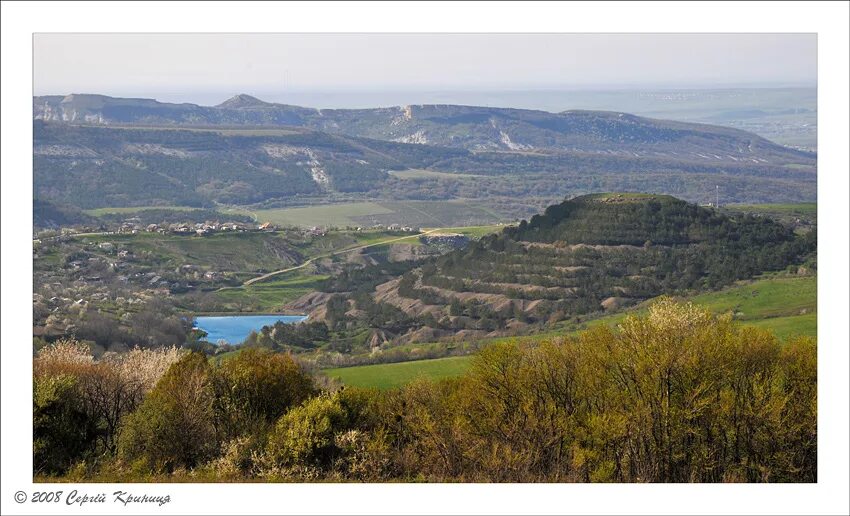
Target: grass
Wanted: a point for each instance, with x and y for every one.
(766, 298)
(473, 231)
(387, 376)
(790, 326)
(272, 294)
(383, 213)
(363, 214)
(785, 304)
(323, 215)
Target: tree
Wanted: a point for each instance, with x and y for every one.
(256, 387)
(175, 425)
(63, 432)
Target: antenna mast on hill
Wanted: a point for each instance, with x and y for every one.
(717, 197)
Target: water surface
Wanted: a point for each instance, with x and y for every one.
(233, 329)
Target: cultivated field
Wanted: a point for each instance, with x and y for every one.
(271, 295)
(339, 215)
(384, 213)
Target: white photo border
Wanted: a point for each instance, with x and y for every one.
(829, 20)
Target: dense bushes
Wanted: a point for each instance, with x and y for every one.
(175, 425)
(62, 431)
(679, 395)
(256, 387)
(79, 403)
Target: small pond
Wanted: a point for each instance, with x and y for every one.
(234, 329)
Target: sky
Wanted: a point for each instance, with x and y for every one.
(208, 68)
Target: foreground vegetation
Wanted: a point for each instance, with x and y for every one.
(676, 395)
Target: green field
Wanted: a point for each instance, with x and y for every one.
(271, 295)
(472, 231)
(787, 213)
(383, 213)
(322, 215)
(786, 305)
(386, 376)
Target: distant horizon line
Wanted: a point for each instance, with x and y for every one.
(156, 95)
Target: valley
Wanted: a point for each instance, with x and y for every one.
(397, 294)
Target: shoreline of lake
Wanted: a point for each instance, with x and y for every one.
(234, 329)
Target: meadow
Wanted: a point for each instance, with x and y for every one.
(271, 295)
(387, 376)
(338, 215)
(384, 213)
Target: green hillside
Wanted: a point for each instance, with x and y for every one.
(785, 305)
(601, 251)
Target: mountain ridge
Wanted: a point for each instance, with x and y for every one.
(473, 128)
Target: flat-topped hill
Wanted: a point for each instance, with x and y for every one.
(630, 219)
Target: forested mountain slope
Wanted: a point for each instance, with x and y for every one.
(92, 166)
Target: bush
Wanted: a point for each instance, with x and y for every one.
(338, 434)
(175, 425)
(108, 389)
(304, 437)
(63, 432)
(679, 395)
(254, 388)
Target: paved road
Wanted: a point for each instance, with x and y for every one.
(341, 251)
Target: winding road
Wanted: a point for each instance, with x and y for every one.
(327, 255)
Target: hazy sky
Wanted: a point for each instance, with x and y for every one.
(206, 68)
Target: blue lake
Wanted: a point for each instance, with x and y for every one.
(234, 329)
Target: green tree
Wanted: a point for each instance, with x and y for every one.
(175, 425)
(63, 432)
(256, 387)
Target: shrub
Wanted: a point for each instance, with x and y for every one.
(108, 389)
(304, 437)
(337, 434)
(62, 430)
(256, 387)
(174, 426)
